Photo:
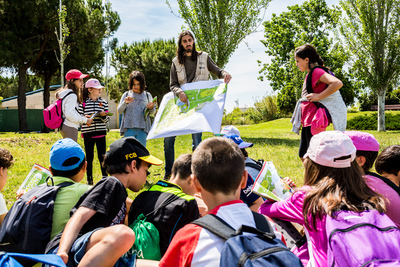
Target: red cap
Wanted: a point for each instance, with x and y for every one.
(75, 74)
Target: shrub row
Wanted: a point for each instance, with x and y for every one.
(370, 122)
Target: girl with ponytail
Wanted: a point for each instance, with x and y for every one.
(324, 85)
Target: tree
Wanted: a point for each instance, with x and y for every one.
(25, 28)
(312, 23)
(154, 59)
(371, 32)
(220, 25)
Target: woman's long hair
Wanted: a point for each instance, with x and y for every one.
(180, 51)
(336, 189)
(71, 85)
(309, 51)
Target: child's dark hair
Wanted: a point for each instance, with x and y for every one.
(69, 173)
(218, 165)
(138, 76)
(309, 51)
(336, 189)
(85, 93)
(120, 167)
(6, 159)
(244, 152)
(182, 166)
(388, 160)
(369, 156)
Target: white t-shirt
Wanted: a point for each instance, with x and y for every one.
(3, 206)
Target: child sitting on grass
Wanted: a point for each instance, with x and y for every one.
(95, 234)
(218, 174)
(6, 162)
(178, 193)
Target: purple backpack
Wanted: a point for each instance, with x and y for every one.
(53, 115)
(368, 238)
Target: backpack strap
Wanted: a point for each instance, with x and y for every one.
(219, 227)
(309, 78)
(165, 203)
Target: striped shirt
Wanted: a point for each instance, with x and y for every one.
(99, 125)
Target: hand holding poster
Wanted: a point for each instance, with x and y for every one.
(202, 113)
(269, 185)
(36, 176)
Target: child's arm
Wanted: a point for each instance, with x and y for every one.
(72, 229)
(122, 104)
(333, 83)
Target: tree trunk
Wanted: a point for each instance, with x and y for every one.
(46, 94)
(23, 122)
(381, 109)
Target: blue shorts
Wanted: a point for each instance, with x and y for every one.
(78, 250)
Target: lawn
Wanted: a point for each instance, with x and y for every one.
(272, 140)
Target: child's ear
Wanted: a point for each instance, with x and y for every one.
(196, 182)
(361, 160)
(244, 180)
(84, 166)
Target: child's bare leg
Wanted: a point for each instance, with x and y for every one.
(107, 245)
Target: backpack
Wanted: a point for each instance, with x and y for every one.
(368, 238)
(261, 249)
(147, 237)
(7, 259)
(256, 164)
(53, 114)
(28, 223)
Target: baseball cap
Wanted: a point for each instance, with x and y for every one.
(129, 148)
(66, 155)
(238, 140)
(331, 149)
(75, 74)
(363, 141)
(229, 129)
(93, 83)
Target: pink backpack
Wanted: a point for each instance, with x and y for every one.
(53, 115)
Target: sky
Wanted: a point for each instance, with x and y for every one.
(152, 19)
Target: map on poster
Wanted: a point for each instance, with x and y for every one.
(202, 113)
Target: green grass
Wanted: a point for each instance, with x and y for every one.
(273, 141)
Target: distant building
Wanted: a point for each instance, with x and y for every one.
(243, 109)
(34, 100)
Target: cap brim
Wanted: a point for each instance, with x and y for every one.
(84, 76)
(245, 145)
(152, 160)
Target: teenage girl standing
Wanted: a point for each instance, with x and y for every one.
(95, 134)
(332, 181)
(72, 97)
(324, 90)
(132, 106)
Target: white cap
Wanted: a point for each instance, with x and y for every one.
(331, 149)
(230, 129)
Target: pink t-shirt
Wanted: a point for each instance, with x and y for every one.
(308, 109)
(291, 210)
(393, 204)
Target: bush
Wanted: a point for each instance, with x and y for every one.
(264, 110)
(370, 122)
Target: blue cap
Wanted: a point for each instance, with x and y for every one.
(66, 155)
(236, 138)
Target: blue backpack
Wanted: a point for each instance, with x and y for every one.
(260, 250)
(7, 259)
(27, 225)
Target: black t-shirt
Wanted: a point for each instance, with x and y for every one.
(108, 199)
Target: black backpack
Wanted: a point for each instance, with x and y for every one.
(28, 223)
(261, 249)
(255, 164)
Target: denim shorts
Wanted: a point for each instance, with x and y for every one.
(78, 250)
